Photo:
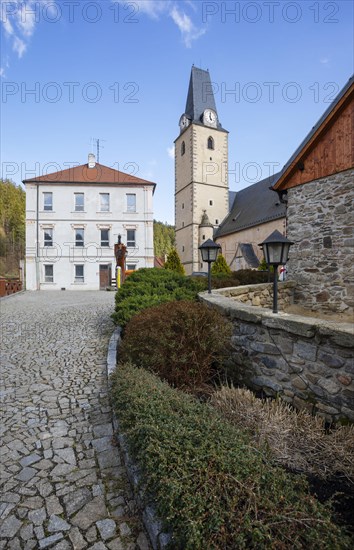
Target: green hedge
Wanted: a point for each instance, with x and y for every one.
(213, 489)
(151, 287)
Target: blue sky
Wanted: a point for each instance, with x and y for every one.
(119, 71)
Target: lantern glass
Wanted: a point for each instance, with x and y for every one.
(209, 251)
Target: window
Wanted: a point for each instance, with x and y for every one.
(183, 148)
(104, 237)
(79, 237)
(182, 248)
(131, 267)
(210, 143)
(203, 238)
(131, 202)
(130, 238)
(104, 202)
(216, 222)
(79, 202)
(182, 205)
(210, 203)
(48, 273)
(79, 274)
(47, 201)
(48, 237)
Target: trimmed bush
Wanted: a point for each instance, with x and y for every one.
(149, 287)
(211, 487)
(183, 342)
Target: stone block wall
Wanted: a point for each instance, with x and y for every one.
(308, 362)
(262, 294)
(320, 218)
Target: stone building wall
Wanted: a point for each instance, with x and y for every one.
(320, 218)
(307, 362)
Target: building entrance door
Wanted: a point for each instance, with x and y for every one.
(105, 276)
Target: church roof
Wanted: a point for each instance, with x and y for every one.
(83, 174)
(252, 206)
(200, 95)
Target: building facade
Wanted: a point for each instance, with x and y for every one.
(201, 163)
(317, 185)
(73, 219)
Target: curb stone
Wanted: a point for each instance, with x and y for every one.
(153, 525)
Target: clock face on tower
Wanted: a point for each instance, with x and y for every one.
(183, 122)
(210, 118)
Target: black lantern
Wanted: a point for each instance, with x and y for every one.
(276, 251)
(209, 251)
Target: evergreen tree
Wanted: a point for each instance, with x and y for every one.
(173, 262)
(220, 266)
(12, 226)
(164, 238)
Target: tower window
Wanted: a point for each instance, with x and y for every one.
(210, 143)
(216, 222)
(203, 237)
(182, 205)
(182, 248)
(210, 203)
(183, 148)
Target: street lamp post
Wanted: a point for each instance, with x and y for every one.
(276, 251)
(209, 251)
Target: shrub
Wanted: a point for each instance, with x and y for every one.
(296, 440)
(251, 276)
(212, 488)
(220, 266)
(173, 262)
(148, 287)
(183, 342)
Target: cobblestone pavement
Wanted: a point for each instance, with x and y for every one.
(62, 482)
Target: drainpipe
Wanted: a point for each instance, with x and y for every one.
(37, 237)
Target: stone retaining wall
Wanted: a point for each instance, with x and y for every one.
(306, 361)
(261, 294)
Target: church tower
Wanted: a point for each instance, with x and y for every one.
(201, 161)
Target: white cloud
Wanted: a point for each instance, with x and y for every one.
(19, 19)
(19, 46)
(188, 30)
(2, 71)
(171, 151)
(156, 9)
(324, 60)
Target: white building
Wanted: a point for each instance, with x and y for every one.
(73, 219)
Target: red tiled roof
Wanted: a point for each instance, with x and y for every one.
(84, 174)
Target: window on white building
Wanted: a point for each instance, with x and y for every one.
(131, 238)
(48, 237)
(104, 237)
(131, 202)
(79, 202)
(79, 274)
(79, 237)
(104, 202)
(49, 273)
(131, 267)
(47, 201)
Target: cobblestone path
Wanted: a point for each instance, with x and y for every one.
(62, 482)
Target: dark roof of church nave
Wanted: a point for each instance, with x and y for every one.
(252, 206)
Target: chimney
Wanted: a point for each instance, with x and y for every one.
(91, 160)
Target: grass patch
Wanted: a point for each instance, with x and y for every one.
(295, 439)
(210, 484)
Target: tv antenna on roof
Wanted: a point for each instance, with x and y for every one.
(98, 142)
